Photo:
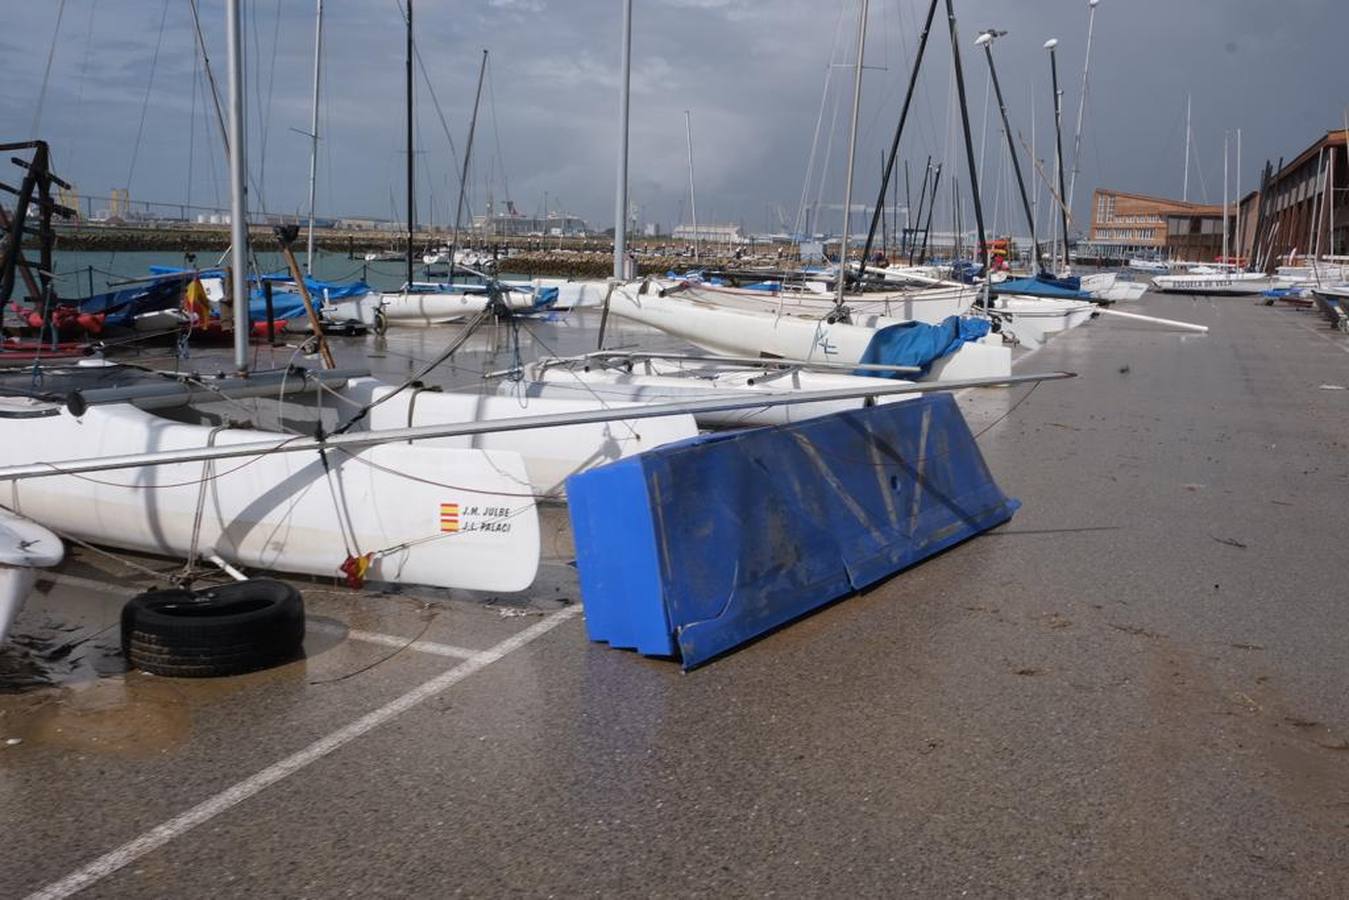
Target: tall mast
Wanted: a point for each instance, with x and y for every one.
(1058, 141)
(969, 147)
(314, 137)
(985, 40)
(463, 176)
(889, 167)
(238, 209)
(852, 148)
(621, 197)
(693, 194)
(1185, 190)
(1225, 247)
(1082, 104)
(1240, 248)
(412, 218)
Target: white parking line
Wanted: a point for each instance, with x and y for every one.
(227, 799)
(392, 640)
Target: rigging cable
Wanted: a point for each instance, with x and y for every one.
(496, 131)
(145, 102)
(47, 73)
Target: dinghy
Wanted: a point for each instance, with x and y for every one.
(1215, 282)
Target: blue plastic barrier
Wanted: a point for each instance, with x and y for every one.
(694, 548)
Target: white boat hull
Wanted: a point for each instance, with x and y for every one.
(1049, 315)
(550, 455)
(665, 381)
(739, 332)
(281, 512)
(1214, 283)
(930, 305)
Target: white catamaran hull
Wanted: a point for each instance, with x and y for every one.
(421, 308)
(664, 381)
(739, 332)
(437, 516)
(550, 455)
(930, 305)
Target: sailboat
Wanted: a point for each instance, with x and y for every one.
(1222, 278)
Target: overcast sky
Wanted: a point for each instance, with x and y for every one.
(752, 73)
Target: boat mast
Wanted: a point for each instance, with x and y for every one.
(1238, 197)
(984, 249)
(410, 200)
(1185, 189)
(314, 137)
(1082, 104)
(238, 210)
(889, 168)
(1225, 247)
(852, 148)
(463, 177)
(1058, 141)
(621, 196)
(985, 40)
(693, 201)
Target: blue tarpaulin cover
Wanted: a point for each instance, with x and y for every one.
(920, 344)
(696, 547)
(1043, 286)
(121, 307)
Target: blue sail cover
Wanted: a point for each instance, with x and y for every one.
(1043, 285)
(319, 290)
(920, 344)
(693, 548)
(121, 307)
(286, 302)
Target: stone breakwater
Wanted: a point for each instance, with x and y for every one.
(571, 258)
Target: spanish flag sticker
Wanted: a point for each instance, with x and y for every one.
(449, 517)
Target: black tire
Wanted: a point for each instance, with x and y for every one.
(381, 322)
(228, 630)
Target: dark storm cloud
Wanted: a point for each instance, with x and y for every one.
(750, 71)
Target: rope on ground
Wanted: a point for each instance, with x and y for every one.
(383, 659)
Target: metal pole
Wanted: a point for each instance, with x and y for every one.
(1082, 105)
(1239, 235)
(238, 208)
(969, 147)
(852, 148)
(1225, 248)
(1185, 188)
(922, 201)
(1058, 142)
(985, 40)
(621, 195)
(412, 218)
(314, 137)
(889, 166)
(931, 208)
(693, 201)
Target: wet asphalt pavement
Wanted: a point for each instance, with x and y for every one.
(1136, 687)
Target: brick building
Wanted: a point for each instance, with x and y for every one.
(1135, 224)
(1304, 208)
